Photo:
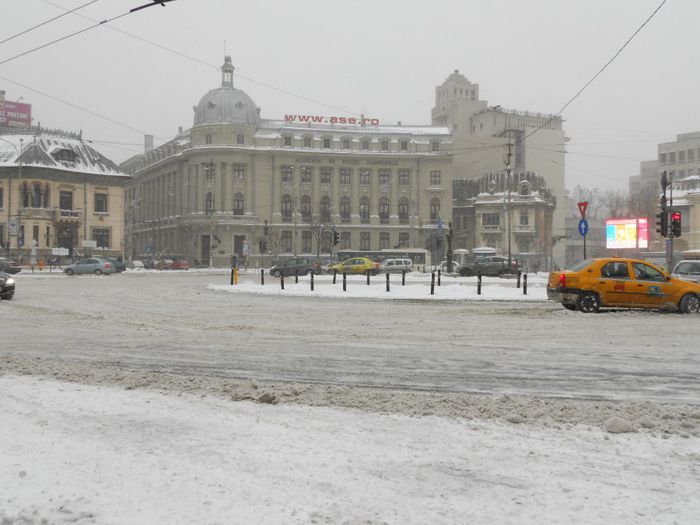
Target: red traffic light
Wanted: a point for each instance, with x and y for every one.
(676, 216)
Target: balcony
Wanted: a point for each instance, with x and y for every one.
(523, 228)
(65, 215)
(38, 213)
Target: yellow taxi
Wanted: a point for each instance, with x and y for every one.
(621, 283)
(356, 265)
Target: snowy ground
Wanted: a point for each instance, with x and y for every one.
(176, 398)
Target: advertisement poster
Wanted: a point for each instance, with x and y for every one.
(627, 233)
(15, 114)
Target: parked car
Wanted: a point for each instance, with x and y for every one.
(357, 265)
(494, 266)
(619, 282)
(688, 270)
(96, 265)
(296, 266)
(117, 264)
(9, 266)
(180, 264)
(7, 286)
(137, 265)
(397, 265)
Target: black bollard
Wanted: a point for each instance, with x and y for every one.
(368, 277)
(335, 272)
(525, 284)
(345, 281)
(282, 281)
(432, 283)
(296, 276)
(478, 283)
(403, 277)
(232, 270)
(519, 274)
(262, 277)
(312, 281)
(387, 281)
(439, 272)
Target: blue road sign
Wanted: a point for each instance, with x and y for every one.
(583, 227)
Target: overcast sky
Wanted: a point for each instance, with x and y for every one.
(382, 58)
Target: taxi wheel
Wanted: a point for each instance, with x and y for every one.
(588, 303)
(690, 304)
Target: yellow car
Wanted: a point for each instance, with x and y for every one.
(356, 265)
(618, 282)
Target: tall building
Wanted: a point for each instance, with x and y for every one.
(644, 192)
(481, 137)
(235, 183)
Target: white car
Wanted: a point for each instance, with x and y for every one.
(688, 270)
(136, 266)
(397, 265)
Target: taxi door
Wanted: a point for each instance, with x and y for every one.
(614, 285)
(652, 290)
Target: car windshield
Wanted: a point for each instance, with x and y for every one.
(687, 267)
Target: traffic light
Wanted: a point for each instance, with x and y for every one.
(662, 223)
(336, 237)
(676, 224)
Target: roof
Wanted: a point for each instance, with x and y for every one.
(44, 149)
(320, 128)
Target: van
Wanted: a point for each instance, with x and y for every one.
(687, 270)
(397, 265)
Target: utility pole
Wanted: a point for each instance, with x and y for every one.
(508, 156)
(669, 239)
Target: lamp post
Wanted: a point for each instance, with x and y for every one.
(508, 213)
(9, 196)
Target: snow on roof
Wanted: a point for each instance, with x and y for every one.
(46, 150)
(315, 127)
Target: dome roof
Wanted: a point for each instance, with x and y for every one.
(226, 105)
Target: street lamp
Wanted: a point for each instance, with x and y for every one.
(508, 213)
(9, 195)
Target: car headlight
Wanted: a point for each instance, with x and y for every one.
(10, 281)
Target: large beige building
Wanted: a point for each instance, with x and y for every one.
(57, 191)
(236, 183)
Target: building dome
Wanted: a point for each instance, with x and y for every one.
(226, 105)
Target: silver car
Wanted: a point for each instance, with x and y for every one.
(688, 270)
(94, 265)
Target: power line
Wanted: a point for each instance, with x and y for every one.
(46, 22)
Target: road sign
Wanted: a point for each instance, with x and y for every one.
(582, 207)
(583, 227)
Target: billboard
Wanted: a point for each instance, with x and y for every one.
(627, 233)
(15, 114)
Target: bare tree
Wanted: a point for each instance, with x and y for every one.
(593, 196)
(615, 203)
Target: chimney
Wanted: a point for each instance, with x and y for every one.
(148, 143)
(179, 130)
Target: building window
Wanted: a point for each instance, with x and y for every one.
(326, 143)
(207, 139)
(345, 175)
(365, 144)
(238, 203)
(404, 177)
(306, 174)
(364, 209)
(434, 209)
(238, 173)
(240, 139)
(681, 156)
(210, 171)
(384, 177)
(35, 235)
(65, 200)
(101, 235)
(2, 198)
(435, 178)
(346, 143)
(325, 209)
(524, 218)
(326, 240)
(287, 174)
(435, 146)
(364, 241)
(345, 240)
(210, 203)
(286, 208)
(662, 158)
(307, 142)
(385, 145)
(364, 175)
(491, 219)
(672, 157)
(384, 209)
(288, 140)
(36, 195)
(691, 155)
(286, 241)
(403, 210)
(100, 203)
(326, 175)
(345, 208)
(306, 208)
(384, 241)
(306, 241)
(404, 145)
(403, 240)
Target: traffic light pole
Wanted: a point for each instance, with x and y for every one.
(669, 239)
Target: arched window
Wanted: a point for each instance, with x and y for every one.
(238, 203)
(403, 210)
(384, 209)
(434, 209)
(364, 209)
(47, 200)
(345, 208)
(36, 195)
(325, 209)
(306, 208)
(25, 195)
(286, 208)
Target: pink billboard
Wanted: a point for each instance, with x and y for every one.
(627, 233)
(15, 114)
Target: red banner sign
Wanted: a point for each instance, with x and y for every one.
(15, 114)
(582, 206)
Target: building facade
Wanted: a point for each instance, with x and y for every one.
(56, 191)
(238, 184)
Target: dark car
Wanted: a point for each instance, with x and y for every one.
(296, 266)
(118, 264)
(7, 286)
(180, 264)
(9, 266)
(493, 266)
